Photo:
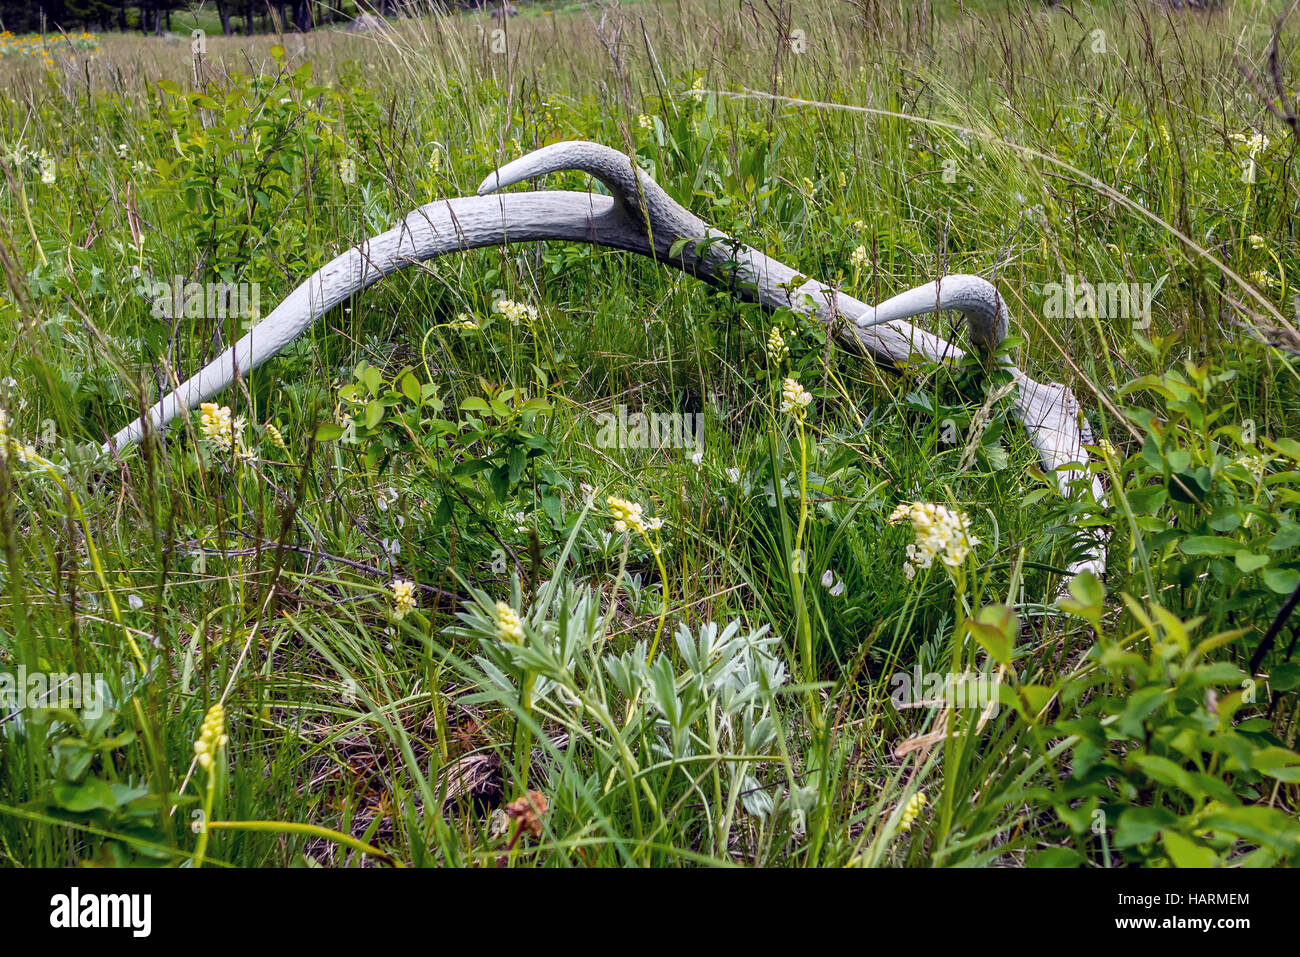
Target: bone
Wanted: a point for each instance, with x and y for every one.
(639, 217)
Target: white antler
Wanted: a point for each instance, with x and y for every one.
(640, 217)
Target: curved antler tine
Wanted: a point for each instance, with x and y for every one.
(973, 296)
(631, 188)
(612, 168)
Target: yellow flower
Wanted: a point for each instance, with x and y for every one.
(627, 515)
(216, 424)
(509, 626)
(23, 452)
(859, 257)
(275, 437)
(914, 805)
(403, 598)
(212, 736)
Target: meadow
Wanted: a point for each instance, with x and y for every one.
(425, 591)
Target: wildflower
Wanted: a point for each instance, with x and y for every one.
(795, 398)
(1107, 449)
(828, 578)
(627, 515)
(697, 90)
(122, 150)
(588, 492)
(528, 812)
(809, 188)
(1255, 143)
(912, 810)
(435, 160)
(241, 448)
(777, 350)
(48, 170)
(1256, 465)
(216, 425)
(733, 475)
(403, 597)
(837, 589)
(697, 458)
(940, 533)
(23, 452)
(516, 312)
(654, 524)
(520, 520)
(464, 322)
(1261, 277)
(212, 736)
(1256, 241)
(645, 122)
(135, 601)
(275, 437)
(385, 497)
(348, 170)
(859, 257)
(509, 627)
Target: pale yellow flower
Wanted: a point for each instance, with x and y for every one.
(509, 626)
(627, 515)
(216, 424)
(777, 350)
(403, 598)
(212, 736)
(516, 312)
(913, 808)
(795, 399)
(940, 533)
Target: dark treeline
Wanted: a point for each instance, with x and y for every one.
(236, 16)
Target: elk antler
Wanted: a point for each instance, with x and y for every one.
(638, 216)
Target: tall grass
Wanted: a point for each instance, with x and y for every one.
(1021, 142)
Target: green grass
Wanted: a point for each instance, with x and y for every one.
(991, 138)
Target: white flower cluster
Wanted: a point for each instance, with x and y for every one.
(794, 398)
(223, 431)
(940, 533)
(777, 350)
(516, 312)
